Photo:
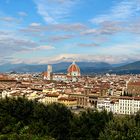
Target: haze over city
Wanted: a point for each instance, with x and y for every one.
(50, 31)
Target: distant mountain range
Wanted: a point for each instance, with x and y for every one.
(86, 68)
(131, 68)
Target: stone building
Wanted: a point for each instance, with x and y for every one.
(133, 88)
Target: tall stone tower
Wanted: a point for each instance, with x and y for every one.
(49, 72)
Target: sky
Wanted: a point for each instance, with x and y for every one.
(51, 31)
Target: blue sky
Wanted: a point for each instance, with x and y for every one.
(50, 31)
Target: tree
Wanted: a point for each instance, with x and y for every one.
(59, 121)
(88, 124)
(21, 116)
(121, 128)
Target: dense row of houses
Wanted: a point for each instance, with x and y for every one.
(117, 93)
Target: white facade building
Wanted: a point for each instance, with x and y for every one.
(60, 77)
(104, 104)
(129, 105)
(122, 105)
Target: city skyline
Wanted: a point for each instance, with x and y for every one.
(49, 31)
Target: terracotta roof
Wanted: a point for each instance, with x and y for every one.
(59, 74)
(134, 83)
(129, 98)
(73, 67)
(45, 73)
(66, 99)
(52, 95)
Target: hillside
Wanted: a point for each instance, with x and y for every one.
(131, 68)
(86, 67)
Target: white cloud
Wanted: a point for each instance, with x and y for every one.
(8, 19)
(35, 24)
(55, 10)
(89, 31)
(121, 11)
(59, 38)
(11, 43)
(38, 28)
(122, 49)
(46, 47)
(88, 44)
(112, 59)
(107, 28)
(23, 14)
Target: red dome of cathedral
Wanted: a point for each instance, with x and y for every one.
(73, 68)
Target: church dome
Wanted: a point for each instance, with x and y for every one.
(74, 70)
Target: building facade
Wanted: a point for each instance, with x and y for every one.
(123, 105)
(73, 74)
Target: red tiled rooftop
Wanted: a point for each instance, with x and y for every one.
(129, 98)
(52, 95)
(134, 83)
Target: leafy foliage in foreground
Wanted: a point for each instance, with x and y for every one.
(22, 119)
(122, 128)
(23, 137)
